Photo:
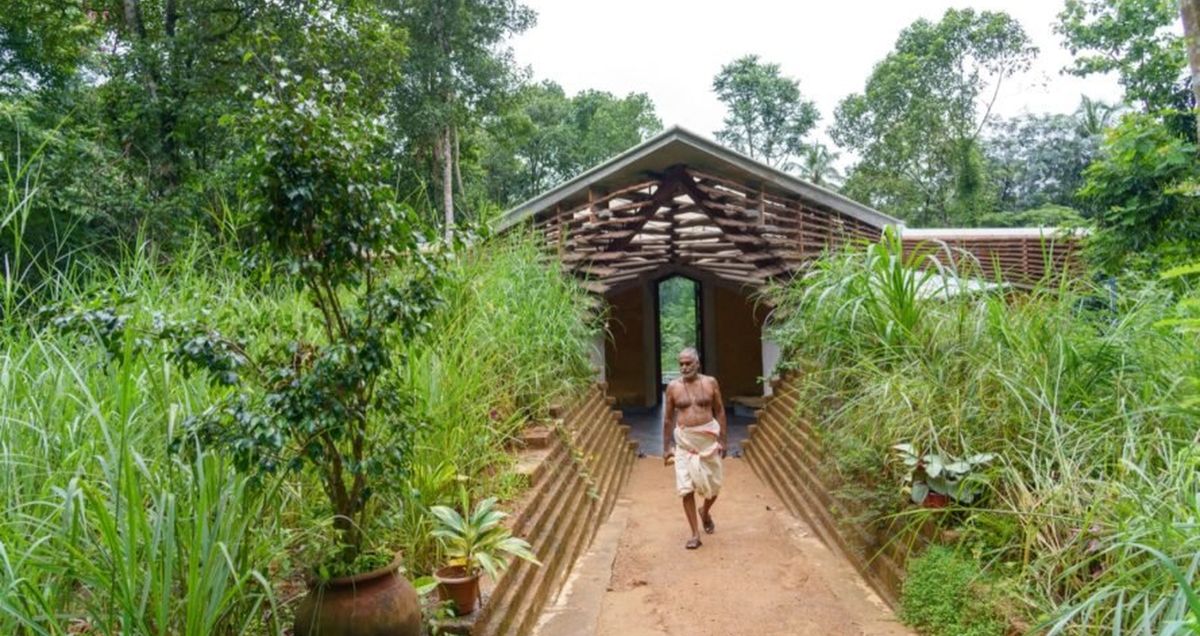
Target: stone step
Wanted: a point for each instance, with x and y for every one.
(536, 437)
(563, 516)
(574, 539)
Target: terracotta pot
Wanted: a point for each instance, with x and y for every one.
(935, 500)
(378, 603)
(456, 586)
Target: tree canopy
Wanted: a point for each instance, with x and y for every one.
(767, 117)
(916, 125)
(1135, 40)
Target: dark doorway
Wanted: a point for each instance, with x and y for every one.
(678, 324)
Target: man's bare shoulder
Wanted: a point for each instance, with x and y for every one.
(710, 382)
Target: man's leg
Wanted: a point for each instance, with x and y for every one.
(706, 516)
(689, 511)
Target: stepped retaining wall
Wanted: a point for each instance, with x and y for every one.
(585, 460)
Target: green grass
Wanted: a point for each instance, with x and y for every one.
(1079, 402)
(106, 528)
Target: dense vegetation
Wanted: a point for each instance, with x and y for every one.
(1080, 393)
(162, 539)
(153, 150)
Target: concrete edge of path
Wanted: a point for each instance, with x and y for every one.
(575, 611)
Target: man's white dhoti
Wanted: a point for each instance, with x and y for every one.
(698, 459)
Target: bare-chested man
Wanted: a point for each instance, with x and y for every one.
(694, 434)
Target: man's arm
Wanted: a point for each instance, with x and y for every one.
(668, 419)
(718, 407)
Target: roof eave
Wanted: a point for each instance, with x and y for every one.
(761, 171)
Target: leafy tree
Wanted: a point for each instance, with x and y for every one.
(916, 126)
(44, 42)
(767, 117)
(1144, 190)
(325, 208)
(458, 70)
(1036, 160)
(549, 137)
(1133, 38)
(1050, 215)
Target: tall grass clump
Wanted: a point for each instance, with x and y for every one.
(514, 337)
(105, 528)
(1077, 395)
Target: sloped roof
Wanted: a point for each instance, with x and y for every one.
(679, 146)
(680, 203)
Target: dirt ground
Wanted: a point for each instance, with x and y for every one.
(761, 572)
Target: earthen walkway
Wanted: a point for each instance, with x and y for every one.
(762, 572)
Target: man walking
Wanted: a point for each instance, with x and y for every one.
(694, 418)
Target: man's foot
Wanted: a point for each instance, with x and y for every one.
(693, 543)
(709, 526)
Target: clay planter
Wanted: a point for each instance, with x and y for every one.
(456, 586)
(935, 500)
(378, 603)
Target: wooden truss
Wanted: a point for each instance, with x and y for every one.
(685, 217)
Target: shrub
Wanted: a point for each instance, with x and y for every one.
(944, 596)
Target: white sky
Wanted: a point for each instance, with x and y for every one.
(671, 50)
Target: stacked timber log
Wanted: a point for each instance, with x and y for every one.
(785, 453)
(575, 481)
(694, 219)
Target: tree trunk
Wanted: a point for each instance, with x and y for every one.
(462, 191)
(1189, 10)
(448, 182)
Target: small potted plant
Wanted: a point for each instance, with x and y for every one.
(937, 479)
(476, 543)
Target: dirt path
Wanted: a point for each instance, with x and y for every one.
(761, 572)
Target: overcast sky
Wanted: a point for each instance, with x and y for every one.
(671, 50)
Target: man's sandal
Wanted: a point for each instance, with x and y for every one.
(692, 544)
(709, 526)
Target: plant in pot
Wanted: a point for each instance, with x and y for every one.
(325, 401)
(476, 543)
(936, 479)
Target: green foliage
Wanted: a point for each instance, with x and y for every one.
(767, 116)
(512, 339)
(943, 474)
(548, 137)
(476, 540)
(941, 597)
(459, 70)
(1143, 188)
(330, 218)
(45, 42)
(1050, 215)
(677, 321)
(1036, 161)
(1135, 39)
(104, 529)
(916, 125)
(816, 165)
(1088, 407)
